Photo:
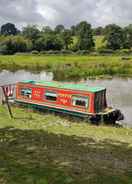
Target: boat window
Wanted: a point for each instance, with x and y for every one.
(26, 92)
(51, 95)
(80, 101)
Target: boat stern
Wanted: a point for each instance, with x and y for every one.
(113, 115)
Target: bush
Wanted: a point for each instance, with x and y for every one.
(52, 52)
(94, 53)
(82, 52)
(3, 49)
(57, 52)
(43, 52)
(22, 53)
(66, 52)
(13, 44)
(105, 51)
(124, 52)
(35, 52)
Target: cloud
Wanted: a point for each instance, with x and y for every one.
(69, 12)
(114, 11)
(20, 12)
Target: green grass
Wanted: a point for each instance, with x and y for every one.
(70, 67)
(99, 41)
(47, 149)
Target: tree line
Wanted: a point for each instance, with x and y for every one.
(80, 37)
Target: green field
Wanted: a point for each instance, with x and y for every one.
(99, 42)
(70, 67)
(47, 149)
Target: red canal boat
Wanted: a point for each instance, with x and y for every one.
(75, 99)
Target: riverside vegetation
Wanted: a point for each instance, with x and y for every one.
(49, 149)
(70, 67)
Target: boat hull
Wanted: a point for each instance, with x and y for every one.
(109, 117)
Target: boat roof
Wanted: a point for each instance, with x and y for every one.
(72, 86)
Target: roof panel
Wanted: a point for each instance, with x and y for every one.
(72, 86)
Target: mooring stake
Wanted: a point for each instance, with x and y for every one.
(7, 102)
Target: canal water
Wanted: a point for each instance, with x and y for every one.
(119, 90)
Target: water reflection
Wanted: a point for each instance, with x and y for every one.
(7, 77)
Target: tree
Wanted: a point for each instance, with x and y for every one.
(9, 29)
(85, 36)
(13, 44)
(59, 29)
(67, 38)
(108, 29)
(73, 30)
(47, 30)
(31, 32)
(49, 42)
(128, 37)
(114, 37)
(98, 31)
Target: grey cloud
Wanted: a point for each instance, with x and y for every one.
(68, 12)
(114, 11)
(20, 12)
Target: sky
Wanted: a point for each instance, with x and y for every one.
(66, 12)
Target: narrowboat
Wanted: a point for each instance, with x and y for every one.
(74, 99)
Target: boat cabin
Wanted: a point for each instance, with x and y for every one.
(76, 99)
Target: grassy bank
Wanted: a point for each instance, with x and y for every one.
(47, 149)
(70, 67)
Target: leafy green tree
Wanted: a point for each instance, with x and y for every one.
(85, 36)
(98, 31)
(128, 37)
(9, 29)
(109, 28)
(67, 38)
(47, 30)
(31, 32)
(49, 42)
(73, 30)
(59, 29)
(114, 37)
(13, 44)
